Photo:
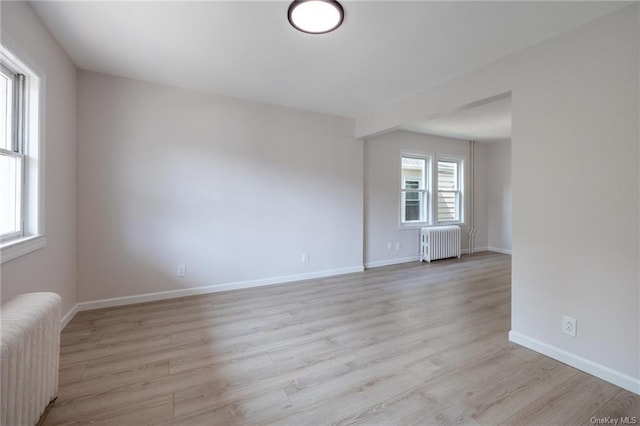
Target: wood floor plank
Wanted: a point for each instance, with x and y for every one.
(579, 398)
(110, 358)
(71, 372)
(353, 396)
(149, 412)
(508, 394)
(89, 387)
(399, 345)
(624, 406)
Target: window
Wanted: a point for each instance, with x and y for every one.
(414, 192)
(449, 193)
(20, 214)
(419, 206)
(11, 154)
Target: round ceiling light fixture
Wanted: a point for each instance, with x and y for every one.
(315, 16)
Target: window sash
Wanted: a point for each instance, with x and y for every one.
(448, 175)
(414, 188)
(13, 211)
(447, 212)
(420, 200)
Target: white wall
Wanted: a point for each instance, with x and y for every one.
(52, 268)
(381, 193)
(575, 122)
(576, 251)
(235, 190)
(499, 196)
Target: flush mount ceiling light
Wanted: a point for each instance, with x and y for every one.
(315, 16)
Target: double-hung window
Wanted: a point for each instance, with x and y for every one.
(414, 189)
(21, 229)
(12, 157)
(449, 178)
(419, 204)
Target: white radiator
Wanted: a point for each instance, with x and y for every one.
(439, 242)
(30, 356)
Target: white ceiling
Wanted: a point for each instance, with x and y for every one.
(487, 122)
(385, 50)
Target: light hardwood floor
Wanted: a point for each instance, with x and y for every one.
(407, 344)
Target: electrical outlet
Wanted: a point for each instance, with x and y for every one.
(181, 271)
(305, 257)
(389, 245)
(397, 246)
(569, 326)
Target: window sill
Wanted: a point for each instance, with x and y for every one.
(16, 248)
(412, 225)
(428, 225)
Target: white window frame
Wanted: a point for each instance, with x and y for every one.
(426, 191)
(460, 192)
(16, 113)
(32, 236)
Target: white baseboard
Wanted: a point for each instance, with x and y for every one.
(69, 316)
(379, 263)
(499, 250)
(171, 294)
(475, 250)
(625, 381)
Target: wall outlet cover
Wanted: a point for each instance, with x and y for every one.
(181, 271)
(569, 326)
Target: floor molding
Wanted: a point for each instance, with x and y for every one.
(379, 263)
(499, 250)
(475, 250)
(171, 294)
(399, 260)
(605, 373)
(69, 315)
